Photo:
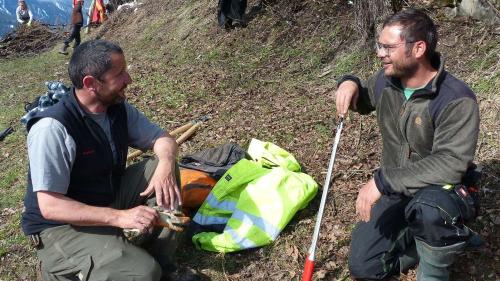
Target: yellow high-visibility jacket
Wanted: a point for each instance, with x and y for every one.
(255, 200)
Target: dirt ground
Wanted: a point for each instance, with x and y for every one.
(256, 83)
(28, 41)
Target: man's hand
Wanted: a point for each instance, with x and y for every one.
(142, 218)
(164, 184)
(345, 96)
(368, 195)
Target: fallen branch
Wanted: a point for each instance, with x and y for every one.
(186, 131)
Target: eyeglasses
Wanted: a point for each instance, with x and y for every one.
(386, 48)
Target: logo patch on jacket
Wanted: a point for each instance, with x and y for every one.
(228, 177)
(418, 121)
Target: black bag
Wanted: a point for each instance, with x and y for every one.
(214, 161)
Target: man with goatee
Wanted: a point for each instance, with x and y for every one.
(80, 196)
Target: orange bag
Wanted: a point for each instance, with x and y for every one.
(195, 187)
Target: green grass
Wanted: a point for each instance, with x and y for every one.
(10, 236)
(157, 86)
(21, 79)
(10, 185)
(323, 130)
(353, 60)
(487, 86)
(487, 82)
(488, 58)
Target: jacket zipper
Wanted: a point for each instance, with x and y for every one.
(403, 120)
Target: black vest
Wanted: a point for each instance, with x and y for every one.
(95, 177)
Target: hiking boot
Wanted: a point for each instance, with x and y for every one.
(64, 50)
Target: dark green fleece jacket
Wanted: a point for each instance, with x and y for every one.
(429, 139)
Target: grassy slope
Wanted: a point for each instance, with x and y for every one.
(20, 81)
(269, 81)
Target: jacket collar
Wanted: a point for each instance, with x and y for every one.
(437, 62)
(76, 104)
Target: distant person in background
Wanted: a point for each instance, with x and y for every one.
(110, 8)
(231, 13)
(23, 13)
(77, 22)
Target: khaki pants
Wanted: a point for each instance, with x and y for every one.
(103, 253)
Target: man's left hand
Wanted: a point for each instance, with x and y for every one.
(368, 195)
(164, 184)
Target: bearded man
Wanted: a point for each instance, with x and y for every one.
(414, 208)
(80, 196)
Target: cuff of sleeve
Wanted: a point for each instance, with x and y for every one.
(349, 78)
(382, 185)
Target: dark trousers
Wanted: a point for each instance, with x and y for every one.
(231, 10)
(75, 35)
(379, 246)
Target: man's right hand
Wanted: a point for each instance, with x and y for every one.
(345, 96)
(141, 217)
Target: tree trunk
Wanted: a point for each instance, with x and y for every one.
(368, 14)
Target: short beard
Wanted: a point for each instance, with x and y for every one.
(405, 70)
(110, 102)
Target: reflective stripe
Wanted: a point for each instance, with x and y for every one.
(448, 187)
(243, 242)
(206, 220)
(212, 201)
(246, 218)
(261, 223)
(216, 204)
